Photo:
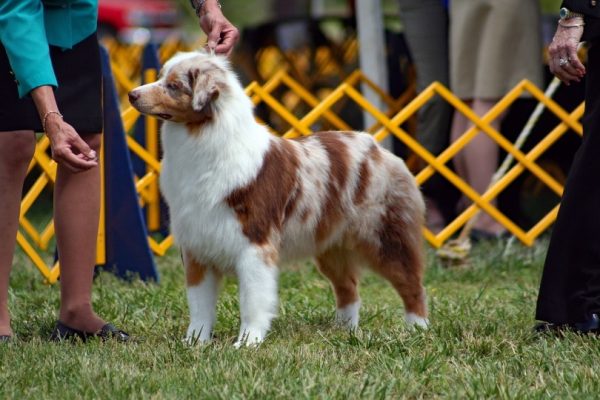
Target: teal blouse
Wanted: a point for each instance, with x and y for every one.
(27, 27)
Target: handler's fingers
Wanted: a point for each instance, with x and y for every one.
(74, 163)
(229, 37)
(565, 76)
(574, 61)
(570, 70)
(554, 67)
(213, 38)
(561, 73)
(82, 147)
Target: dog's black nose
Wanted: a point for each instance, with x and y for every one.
(133, 96)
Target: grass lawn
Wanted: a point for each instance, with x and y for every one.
(480, 344)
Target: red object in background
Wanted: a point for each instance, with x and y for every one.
(137, 20)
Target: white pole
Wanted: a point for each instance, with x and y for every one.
(371, 43)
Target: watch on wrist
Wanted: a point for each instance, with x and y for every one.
(565, 13)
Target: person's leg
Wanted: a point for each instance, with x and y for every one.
(570, 285)
(478, 161)
(426, 31)
(76, 215)
(481, 160)
(460, 123)
(16, 151)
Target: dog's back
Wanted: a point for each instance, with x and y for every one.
(343, 185)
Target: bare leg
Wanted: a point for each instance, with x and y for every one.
(460, 123)
(16, 150)
(343, 273)
(76, 214)
(479, 160)
(482, 163)
(434, 221)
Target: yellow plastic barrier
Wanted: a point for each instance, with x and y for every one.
(323, 111)
(391, 124)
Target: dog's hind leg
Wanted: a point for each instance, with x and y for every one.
(407, 283)
(340, 267)
(257, 274)
(404, 270)
(202, 291)
(400, 259)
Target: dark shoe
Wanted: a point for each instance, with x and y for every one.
(109, 331)
(5, 338)
(479, 235)
(592, 325)
(548, 327)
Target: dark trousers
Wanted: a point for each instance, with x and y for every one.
(570, 287)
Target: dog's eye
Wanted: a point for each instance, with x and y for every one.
(173, 86)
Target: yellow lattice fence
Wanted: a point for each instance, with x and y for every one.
(324, 112)
(391, 122)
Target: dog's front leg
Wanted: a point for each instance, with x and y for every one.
(258, 297)
(202, 292)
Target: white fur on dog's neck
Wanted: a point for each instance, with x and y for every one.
(229, 157)
(223, 158)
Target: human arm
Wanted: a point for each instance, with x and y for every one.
(23, 35)
(222, 35)
(568, 34)
(562, 52)
(563, 58)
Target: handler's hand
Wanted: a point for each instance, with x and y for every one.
(68, 148)
(564, 47)
(222, 35)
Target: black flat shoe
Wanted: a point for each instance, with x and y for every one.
(548, 327)
(590, 326)
(109, 331)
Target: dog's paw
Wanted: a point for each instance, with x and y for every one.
(195, 341)
(347, 317)
(249, 338)
(414, 320)
(197, 335)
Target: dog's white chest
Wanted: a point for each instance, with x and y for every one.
(196, 178)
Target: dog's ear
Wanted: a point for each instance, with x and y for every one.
(206, 87)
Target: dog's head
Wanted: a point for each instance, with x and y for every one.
(187, 88)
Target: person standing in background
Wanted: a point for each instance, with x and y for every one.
(569, 295)
(493, 45)
(425, 25)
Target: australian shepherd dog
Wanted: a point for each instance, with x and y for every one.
(243, 201)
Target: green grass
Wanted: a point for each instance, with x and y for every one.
(480, 344)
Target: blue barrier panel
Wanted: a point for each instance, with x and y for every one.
(149, 61)
(127, 250)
